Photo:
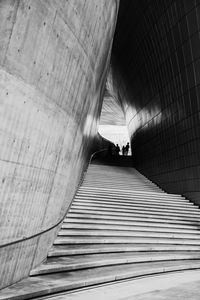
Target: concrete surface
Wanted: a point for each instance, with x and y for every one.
(183, 286)
(53, 64)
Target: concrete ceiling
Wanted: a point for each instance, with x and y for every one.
(112, 113)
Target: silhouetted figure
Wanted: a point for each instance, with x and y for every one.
(127, 148)
(117, 149)
(123, 150)
(110, 150)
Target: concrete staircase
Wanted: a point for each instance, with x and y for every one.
(120, 225)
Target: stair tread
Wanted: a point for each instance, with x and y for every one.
(135, 214)
(123, 239)
(129, 196)
(85, 220)
(128, 218)
(101, 248)
(163, 194)
(130, 229)
(122, 208)
(134, 204)
(51, 283)
(131, 199)
(128, 233)
(122, 187)
(68, 263)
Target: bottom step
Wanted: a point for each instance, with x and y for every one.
(66, 281)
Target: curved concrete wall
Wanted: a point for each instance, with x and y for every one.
(53, 64)
(156, 70)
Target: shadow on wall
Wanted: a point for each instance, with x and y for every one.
(156, 70)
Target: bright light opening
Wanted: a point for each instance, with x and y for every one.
(116, 134)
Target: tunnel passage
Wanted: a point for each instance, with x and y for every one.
(54, 59)
(156, 75)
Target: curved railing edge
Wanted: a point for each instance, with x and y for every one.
(62, 219)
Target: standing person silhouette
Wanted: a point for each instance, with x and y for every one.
(110, 150)
(127, 148)
(123, 150)
(117, 149)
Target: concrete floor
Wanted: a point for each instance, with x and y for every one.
(182, 285)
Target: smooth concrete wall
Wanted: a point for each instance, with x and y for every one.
(156, 71)
(53, 63)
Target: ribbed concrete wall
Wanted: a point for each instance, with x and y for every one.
(156, 67)
(53, 63)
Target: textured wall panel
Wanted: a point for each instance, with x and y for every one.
(53, 64)
(156, 69)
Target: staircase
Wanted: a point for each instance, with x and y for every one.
(120, 225)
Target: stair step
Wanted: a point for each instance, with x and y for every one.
(125, 177)
(110, 181)
(122, 208)
(136, 201)
(136, 183)
(146, 214)
(60, 250)
(131, 222)
(63, 264)
(141, 228)
(135, 204)
(115, 175)
(112, 176)
(125, 233)
(96, 215)
(115, 189)
(120, 186)
(127, 196)
(65, 281)
(101, 239)
(161, 201)
(119, 181)
(162, 194)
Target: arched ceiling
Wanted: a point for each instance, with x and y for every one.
(112, 113)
